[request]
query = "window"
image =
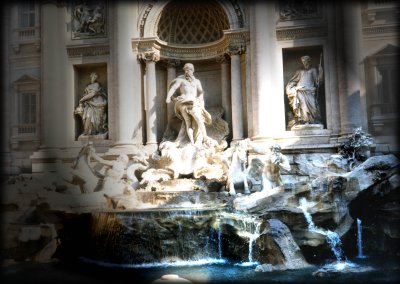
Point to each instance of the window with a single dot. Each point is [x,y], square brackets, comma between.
[382,72]
[388,76]
[27,113]
[27,14]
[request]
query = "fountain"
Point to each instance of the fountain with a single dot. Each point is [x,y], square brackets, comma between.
[196,202]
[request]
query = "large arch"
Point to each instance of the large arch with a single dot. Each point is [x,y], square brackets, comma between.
[234,37]
[151,12]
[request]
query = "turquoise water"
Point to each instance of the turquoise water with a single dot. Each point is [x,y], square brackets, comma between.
[222,272]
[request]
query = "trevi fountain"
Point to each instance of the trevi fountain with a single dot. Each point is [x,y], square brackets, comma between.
[200,209]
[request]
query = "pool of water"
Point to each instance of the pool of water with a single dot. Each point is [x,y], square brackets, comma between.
[220,272]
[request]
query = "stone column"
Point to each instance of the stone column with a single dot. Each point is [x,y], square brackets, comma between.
[226,90]
[171,74]
[350,62]
[55,116]
[150,58]
[236,92]
[267,81]
[128,90]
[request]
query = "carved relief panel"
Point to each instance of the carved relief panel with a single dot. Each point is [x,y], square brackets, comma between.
[290,10]
[88,19]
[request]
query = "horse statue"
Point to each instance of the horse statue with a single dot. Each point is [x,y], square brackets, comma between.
[236,164]
[83,173]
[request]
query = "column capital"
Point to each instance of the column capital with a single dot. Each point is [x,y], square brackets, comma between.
[172,63]
[146,49]
[236,49]
[150,55]
[223,59]
[237,41]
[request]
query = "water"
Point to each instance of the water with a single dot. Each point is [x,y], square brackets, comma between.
[219,241]
[359,240]
[248,228]
[332,238]
[168,236]
[386,271]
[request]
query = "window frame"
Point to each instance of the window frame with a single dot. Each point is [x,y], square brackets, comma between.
[22,131]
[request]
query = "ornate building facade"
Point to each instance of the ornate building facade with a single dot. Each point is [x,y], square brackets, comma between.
[244,53]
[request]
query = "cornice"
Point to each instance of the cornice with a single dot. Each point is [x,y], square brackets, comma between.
[381,29]
[88,50]
[300,33]
[232,40]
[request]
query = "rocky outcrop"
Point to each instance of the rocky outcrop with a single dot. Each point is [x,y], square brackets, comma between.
[278,249]
[380,183]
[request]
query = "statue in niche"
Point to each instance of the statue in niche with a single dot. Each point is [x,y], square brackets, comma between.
[189,107]
[92,109]
[88,20]
[302,92]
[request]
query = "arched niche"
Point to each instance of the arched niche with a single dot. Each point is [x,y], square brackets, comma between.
[149,40]
[157,46]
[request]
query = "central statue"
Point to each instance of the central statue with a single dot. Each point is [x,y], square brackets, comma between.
[189,107]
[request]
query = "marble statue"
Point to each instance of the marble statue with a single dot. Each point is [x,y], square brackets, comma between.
[236,160]
[254,174]
[274,162]
[82,172]
[187,93]
[272,184]
[114,170]
[92,109]
[302,92]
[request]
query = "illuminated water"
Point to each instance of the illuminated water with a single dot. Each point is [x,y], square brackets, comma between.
[359,240]
[387,271]
[332,238]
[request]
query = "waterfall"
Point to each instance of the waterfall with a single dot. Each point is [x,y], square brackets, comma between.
[332,238]
[219,241]
[247,227]
[148,236]
[170,236]
[252,239]
[359,239]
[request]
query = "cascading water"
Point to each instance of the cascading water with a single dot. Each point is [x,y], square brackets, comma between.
[149,238]
[359,240]
[332,238]
[219,241]
[248,227]
[153,236]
